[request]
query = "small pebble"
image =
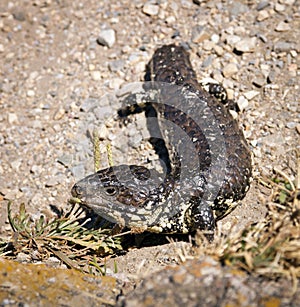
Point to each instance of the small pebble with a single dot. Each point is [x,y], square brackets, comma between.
[208,45]
[115,83]
[262,15]
[95,75]
[287,2]
[231,40]
[199,34]
[92,67]
[78,171]
[242,103]
[175,34]
[271,77]
[259,82]
[107,37]
[52,261]
[282,46]
[170,20]
[279,7]
[293,53]
[254,143]
[22,257]
[19,15]
[246,44]
[30,93]
[150,9]
[37,124]
[238,8]
[229,70]
[262,5]
[36,169]
[291,125]
[116,65]
[219,50]
[262,37]
[12,118]
[215,38]
[59,113]
[251,94]
[33,75]
[207,61]
[257,152]
[89,104]
[53,181]
[282,27]
[65,160]
[15,165]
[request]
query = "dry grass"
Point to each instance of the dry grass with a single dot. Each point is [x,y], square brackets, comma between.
[66,237]
[271,247]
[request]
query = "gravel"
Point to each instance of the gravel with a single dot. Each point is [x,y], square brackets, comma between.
[62,62]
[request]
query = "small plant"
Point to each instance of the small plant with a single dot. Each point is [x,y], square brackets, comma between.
[66,237]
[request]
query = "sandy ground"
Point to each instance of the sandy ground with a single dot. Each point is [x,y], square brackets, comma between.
[55,78]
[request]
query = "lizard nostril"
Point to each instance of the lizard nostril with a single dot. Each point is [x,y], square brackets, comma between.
[76,190]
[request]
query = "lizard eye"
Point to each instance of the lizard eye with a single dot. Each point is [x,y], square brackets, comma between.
[111,191]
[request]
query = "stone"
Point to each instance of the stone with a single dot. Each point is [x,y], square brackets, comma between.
[262,15]
[271,76]
[287,2]
[107,37]
[89,104]
[53,181]
[246,44]
[237,8]
[293,53]
[242,103]
[150,9]
[229,70]
[259,82]
[59,113]
[218,50]
[78,171]
[115,83]
[116,65]
[232,40]
[12,118]
[65,160]
[262,5]
[30,93]
[170,20]
[291,125]
[199,34]
[215,38]
[15,165]
[279,7]
[282,46]
[251,94]
[282,27]
[19,15]
[95,75]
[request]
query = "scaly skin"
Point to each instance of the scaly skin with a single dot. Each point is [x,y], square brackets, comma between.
[210,159]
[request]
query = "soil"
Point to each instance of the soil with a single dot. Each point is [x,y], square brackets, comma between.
[57,82]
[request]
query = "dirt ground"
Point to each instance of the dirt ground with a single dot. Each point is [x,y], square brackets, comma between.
[57,80]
